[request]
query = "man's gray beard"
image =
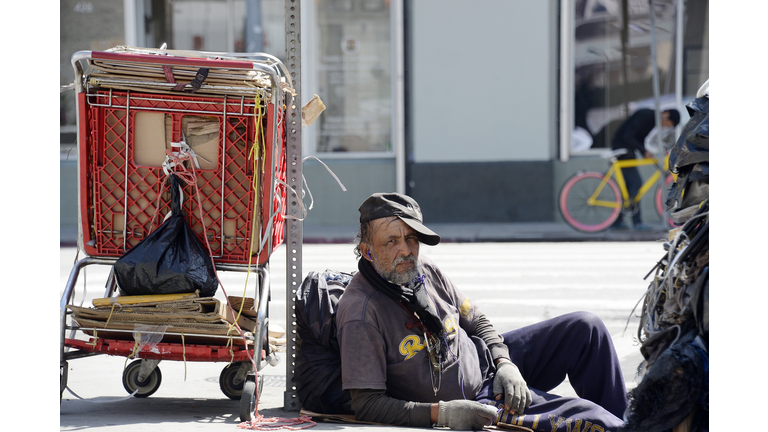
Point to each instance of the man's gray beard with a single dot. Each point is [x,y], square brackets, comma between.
[395,277]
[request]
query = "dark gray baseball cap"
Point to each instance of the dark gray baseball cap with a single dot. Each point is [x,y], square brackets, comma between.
[380,205]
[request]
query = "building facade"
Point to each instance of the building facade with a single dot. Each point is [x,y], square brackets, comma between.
[479,109]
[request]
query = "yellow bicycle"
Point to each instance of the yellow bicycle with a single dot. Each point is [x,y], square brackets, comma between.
[592,201]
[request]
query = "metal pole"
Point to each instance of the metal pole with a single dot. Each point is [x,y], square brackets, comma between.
[294,234]
[230,26]
[657,103]
[625,55]
[254,32]
[567,11]
[679,58]
[398,96]
[130,21]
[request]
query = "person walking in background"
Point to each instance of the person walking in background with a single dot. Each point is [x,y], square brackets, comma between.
[631,136]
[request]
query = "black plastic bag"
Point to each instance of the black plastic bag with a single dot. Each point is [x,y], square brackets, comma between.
[170,260]
[318,362]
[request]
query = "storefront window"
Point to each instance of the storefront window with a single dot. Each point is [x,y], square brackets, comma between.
[613,65]
[353,75]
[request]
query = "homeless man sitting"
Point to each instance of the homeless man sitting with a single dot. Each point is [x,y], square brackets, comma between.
[417,352]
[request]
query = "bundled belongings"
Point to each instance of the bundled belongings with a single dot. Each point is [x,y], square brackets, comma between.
[170,260]
[119,74]
[187,315]
[674,388]
[674,332]
[689,159]
[674,324]
[318,361]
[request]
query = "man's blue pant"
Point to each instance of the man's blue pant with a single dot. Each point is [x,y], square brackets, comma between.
[633,182]
[576,345]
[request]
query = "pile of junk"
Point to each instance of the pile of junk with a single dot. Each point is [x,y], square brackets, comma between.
[673,391]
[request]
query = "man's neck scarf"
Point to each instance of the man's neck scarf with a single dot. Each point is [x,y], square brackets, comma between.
[412,295]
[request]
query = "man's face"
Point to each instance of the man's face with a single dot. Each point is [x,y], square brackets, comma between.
[666,121]
[394,250]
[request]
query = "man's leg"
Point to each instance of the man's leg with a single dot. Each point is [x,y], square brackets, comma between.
[549,412]
[634,183]
[577,345]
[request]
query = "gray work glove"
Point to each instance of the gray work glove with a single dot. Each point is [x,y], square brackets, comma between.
[465,414]
[510,384]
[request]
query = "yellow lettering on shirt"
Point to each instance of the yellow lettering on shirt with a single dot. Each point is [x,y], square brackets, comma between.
[576,426]
[555,421]
[466,307]
[410,345]
[450,325]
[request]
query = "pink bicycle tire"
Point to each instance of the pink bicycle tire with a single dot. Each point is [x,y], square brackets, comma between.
[659,201]
[575,209]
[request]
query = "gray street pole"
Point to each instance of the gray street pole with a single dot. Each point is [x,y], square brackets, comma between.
[294,234]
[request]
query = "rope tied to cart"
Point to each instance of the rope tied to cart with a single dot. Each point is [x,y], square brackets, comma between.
[276,423]
[176,164]
[256,154]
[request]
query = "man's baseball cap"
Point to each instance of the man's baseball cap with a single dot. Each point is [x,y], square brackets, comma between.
[380,205]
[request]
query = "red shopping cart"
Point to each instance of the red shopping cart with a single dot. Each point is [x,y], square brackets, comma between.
[220,119]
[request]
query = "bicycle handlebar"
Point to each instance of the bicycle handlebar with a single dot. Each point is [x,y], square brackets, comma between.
[613,154]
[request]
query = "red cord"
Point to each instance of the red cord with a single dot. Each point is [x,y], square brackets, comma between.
[275,423]
[258,422]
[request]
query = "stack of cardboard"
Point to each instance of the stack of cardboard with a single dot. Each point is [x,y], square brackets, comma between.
[118,317]
[156,78]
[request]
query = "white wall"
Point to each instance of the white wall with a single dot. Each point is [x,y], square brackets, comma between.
[483,80]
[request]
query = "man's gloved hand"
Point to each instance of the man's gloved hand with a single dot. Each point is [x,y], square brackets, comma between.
[465,414]
[510,384]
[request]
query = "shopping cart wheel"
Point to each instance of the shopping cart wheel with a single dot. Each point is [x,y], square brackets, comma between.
[143,388]
[248,398]
[232,379]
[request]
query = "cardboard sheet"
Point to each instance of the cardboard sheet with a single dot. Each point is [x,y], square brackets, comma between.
[202,135]
[149,138]
[207,316]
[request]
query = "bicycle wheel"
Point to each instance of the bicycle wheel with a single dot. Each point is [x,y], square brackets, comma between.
[575,208]
[659,200]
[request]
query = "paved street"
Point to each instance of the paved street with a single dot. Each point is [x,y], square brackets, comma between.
[514,283]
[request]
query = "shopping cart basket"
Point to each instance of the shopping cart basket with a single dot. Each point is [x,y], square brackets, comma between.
[136,109]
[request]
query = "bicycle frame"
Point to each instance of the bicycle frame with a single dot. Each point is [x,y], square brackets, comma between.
[615,170]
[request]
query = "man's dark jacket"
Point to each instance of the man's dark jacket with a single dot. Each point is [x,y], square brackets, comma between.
[631,134]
